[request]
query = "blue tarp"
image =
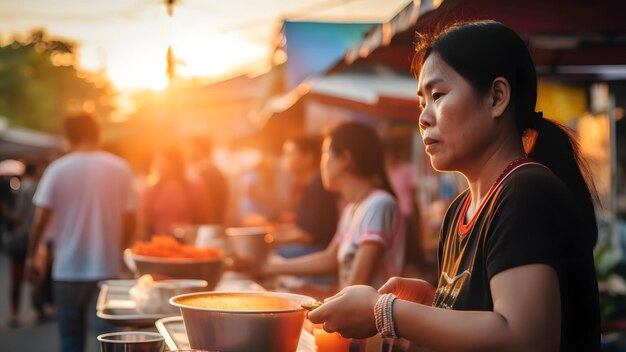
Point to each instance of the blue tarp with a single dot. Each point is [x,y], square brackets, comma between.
[313,47]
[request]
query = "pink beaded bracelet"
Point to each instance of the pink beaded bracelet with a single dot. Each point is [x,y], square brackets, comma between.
[383,315]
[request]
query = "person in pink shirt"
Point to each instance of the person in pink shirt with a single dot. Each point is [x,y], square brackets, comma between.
[170,199]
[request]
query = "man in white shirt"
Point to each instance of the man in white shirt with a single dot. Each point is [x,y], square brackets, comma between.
[87,200]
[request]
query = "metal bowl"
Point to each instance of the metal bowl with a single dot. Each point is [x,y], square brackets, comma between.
[243,321]
[252,243]
[210,270]
[131,341]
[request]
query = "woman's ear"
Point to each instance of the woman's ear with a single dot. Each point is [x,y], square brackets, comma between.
[500,95]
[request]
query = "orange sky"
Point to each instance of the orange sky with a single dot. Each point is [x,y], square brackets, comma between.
[129,38]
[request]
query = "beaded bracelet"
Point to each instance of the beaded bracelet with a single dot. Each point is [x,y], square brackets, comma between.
[383,315]
[378,313]
[390,331]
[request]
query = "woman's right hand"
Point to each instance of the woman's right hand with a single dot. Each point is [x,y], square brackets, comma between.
[413,290]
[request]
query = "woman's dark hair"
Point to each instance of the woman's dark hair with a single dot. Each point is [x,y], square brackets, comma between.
[366,149]
[309,145]
[482,51]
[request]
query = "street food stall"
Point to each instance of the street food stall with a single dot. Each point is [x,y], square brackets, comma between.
[221,309]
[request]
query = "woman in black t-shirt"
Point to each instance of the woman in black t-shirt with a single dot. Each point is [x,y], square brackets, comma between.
[516,265]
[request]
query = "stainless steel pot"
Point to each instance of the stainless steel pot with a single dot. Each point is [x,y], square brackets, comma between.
[251,243]
[131,341]
[243,321]
[210,270]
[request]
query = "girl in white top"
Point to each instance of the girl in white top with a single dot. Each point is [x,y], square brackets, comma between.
[368,247]
[372,222]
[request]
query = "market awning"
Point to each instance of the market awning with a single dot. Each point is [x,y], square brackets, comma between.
[17,142]
[374,90]
[558,32]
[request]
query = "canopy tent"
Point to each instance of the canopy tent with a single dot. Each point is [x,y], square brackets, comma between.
[17,142]
[367,91]
[565,37]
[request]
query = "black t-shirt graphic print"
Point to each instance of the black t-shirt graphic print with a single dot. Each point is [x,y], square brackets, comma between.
[530,218]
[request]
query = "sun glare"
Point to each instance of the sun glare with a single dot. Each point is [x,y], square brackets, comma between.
[143,65]
[213,55]
[145,74]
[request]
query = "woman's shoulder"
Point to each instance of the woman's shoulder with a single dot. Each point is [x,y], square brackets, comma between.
[533,174]
[535,183]
[381,197]
[379,200]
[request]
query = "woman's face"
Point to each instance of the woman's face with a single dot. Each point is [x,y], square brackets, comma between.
[455,122]
[294,161]
[332,166]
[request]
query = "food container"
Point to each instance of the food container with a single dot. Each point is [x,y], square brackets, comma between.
[243,321]
[152,297]
[163,268]
[212,236]
[117,307]
[251,243]
[131,341]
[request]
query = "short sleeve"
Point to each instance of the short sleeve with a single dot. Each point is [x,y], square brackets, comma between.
[530,222]
[379,222]
[44,195]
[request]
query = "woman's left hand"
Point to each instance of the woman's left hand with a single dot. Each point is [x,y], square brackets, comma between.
[349,312]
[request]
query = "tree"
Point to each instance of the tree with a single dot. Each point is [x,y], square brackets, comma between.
[40,85]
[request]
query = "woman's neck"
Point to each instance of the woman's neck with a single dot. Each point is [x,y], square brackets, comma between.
[356,189]
[486,174]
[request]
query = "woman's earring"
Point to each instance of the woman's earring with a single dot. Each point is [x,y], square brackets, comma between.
[529,137]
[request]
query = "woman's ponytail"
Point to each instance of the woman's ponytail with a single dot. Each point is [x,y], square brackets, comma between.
[556,147]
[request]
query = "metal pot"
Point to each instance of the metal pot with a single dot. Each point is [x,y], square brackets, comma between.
[210,270]
[251,243]
[131,341]
[243,321]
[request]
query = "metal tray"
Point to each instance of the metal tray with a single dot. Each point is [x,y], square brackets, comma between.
[115,305]
[173,330]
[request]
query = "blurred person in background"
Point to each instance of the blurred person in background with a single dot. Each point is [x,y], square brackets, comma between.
[402,175]
[17,242]
[316,210]
[199,154]
[368,247]
[516,266]
[258,198]
[42,288]
[87,199]
[7,201]
[170,200]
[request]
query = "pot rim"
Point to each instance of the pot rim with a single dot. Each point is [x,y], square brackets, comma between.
[168,260]
[248,231]
[181,283]
[152,336]
[303,298]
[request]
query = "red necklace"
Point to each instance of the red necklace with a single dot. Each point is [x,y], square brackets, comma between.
[464,228]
